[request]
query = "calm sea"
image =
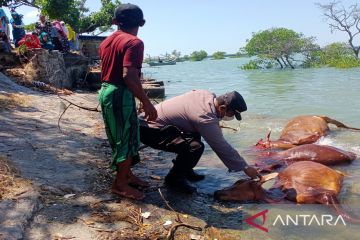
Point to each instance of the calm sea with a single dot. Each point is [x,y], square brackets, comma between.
[273,97]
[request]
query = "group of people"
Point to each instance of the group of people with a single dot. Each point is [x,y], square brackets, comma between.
[55,35]
[175,125]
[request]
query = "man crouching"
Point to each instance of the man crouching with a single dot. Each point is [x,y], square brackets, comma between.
[181,123]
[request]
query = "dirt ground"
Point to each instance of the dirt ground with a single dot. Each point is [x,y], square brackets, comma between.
[54,183]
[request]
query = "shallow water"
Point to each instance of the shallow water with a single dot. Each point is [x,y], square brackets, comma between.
[273,97]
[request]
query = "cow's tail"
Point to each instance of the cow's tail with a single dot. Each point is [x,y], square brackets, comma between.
[337,123]
[334,203]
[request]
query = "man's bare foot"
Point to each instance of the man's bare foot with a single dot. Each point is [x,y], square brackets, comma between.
[127,191]
[137,182]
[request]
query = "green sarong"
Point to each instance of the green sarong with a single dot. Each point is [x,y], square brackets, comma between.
[121,122]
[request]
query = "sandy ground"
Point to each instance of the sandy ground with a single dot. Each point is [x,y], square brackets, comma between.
[66,179]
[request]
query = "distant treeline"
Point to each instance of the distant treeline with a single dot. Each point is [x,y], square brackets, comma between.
[285,48]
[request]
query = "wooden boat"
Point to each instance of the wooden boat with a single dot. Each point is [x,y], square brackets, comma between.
[161,63]
[153,88]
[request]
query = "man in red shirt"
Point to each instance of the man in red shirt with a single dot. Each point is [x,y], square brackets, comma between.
[121,58]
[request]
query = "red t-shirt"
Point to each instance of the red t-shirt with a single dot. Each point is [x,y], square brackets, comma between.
[119,50]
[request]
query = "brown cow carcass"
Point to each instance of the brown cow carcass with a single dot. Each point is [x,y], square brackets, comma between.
[301,182]
[323,154]
[302,130]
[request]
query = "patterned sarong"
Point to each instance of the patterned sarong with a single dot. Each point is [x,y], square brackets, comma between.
[121,122]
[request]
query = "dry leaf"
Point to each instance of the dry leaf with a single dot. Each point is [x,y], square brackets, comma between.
[167,223]
[146,215]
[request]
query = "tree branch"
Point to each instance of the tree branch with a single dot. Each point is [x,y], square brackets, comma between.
[171,233]
[67,107]
[344,20]
[16,4]
[85,108]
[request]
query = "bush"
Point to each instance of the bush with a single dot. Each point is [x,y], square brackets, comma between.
[252,64]
[198,55]
[338,55]
[218,55]
[259,64]
[345,62]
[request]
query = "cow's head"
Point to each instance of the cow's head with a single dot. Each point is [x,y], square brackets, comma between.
[264,144]
[242,190]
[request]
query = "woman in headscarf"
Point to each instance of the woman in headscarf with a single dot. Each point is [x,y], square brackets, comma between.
[59,37]
[45,41]
[18,27]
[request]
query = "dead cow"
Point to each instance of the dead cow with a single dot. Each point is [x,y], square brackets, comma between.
[301,182]
[302,130]
[323,154]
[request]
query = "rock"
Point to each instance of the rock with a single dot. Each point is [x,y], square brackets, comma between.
[9,59]
[55,68]
[16,215]
[48,67]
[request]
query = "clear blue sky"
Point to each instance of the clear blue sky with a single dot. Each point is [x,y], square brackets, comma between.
[210,25]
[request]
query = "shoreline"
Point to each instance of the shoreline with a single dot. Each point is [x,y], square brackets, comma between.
[70,177]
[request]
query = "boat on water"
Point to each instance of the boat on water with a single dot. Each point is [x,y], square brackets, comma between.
[162,62]
[152,87]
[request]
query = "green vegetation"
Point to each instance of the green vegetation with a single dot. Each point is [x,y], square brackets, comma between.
[73,12]
[258,64]
[186,58]
[278,45]
[22,50]
[218,55]
[198,55]
[252,64]
[30,27]
[339,55]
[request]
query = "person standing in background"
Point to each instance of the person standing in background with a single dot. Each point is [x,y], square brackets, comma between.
[43,25]
[18,27]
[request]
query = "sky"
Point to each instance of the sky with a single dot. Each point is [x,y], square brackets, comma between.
[193,25]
